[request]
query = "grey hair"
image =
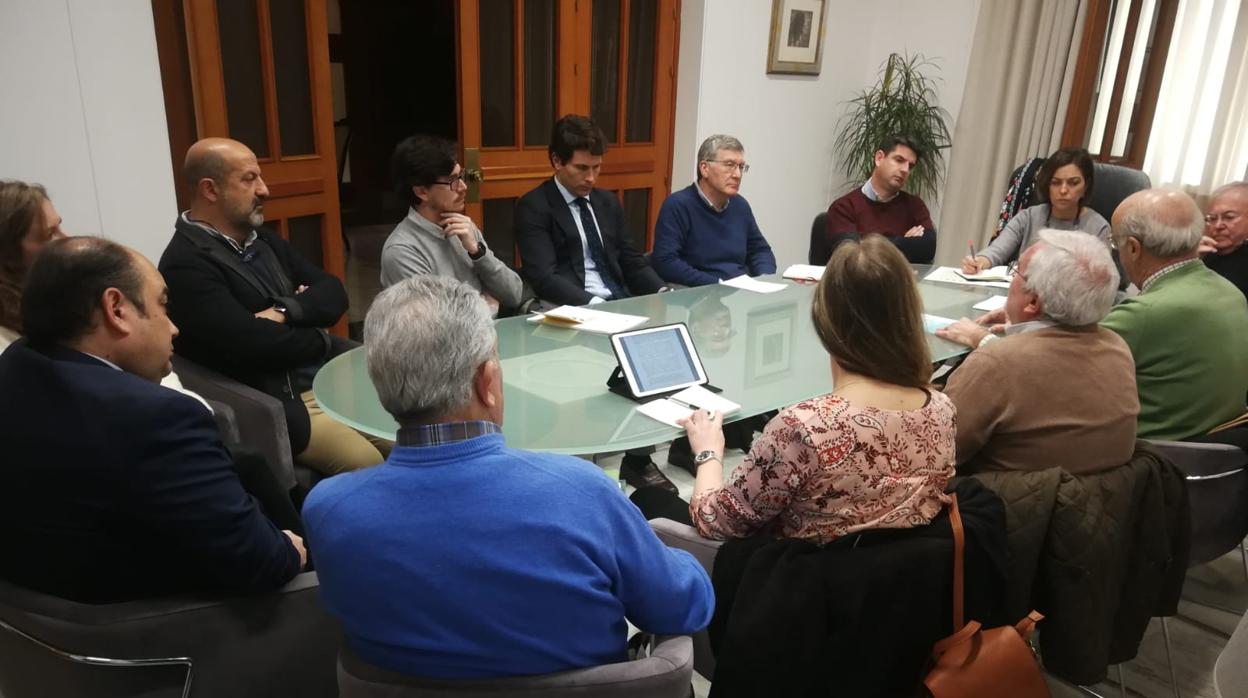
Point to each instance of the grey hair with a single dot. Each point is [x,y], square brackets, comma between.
[424,338]
[1074,275]
[711,147]
[1166,228]
[1241,187]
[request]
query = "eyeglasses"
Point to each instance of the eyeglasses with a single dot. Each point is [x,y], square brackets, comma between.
[453,180]
[1227,217]
[732,165]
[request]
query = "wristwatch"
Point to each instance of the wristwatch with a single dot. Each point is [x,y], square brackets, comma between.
[705,456]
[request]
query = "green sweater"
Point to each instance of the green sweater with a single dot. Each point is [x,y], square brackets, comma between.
[1188,334]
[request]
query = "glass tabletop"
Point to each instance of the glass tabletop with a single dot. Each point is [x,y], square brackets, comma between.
[761,349]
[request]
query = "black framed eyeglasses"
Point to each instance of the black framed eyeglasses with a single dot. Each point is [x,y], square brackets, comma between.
[453,180]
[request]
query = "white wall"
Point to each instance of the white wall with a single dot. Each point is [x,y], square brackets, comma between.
[84,115]
[788,122]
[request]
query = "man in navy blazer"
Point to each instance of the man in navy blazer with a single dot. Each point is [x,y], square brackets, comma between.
[573,246]
[113,487]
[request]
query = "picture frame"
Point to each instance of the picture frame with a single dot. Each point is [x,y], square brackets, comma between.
[796,46]
[769,343]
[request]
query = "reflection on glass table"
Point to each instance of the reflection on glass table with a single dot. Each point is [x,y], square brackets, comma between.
[761,349]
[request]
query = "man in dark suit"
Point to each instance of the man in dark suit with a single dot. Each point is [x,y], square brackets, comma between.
[573,245]
[252,307]
[113,487]
[573,248]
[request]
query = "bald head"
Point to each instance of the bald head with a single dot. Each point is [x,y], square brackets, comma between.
[228,192]
[1166,222]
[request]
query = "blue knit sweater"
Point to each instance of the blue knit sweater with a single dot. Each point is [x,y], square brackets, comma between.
[695,245]
[472,559]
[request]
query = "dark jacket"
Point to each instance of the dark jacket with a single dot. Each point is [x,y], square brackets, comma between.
[115,488]
[1098,554]
[552,259]
[857,617]
[214,296]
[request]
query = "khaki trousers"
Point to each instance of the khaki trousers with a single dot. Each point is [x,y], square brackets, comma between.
[335,447]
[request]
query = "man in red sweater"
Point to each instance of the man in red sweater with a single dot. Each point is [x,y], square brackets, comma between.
[880,206]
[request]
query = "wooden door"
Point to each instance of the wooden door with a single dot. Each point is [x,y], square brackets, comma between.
[524,63]
[259,73]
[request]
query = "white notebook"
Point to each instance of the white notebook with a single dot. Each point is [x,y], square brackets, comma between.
[746,283]
[679,406]
[587,320]
[804,272]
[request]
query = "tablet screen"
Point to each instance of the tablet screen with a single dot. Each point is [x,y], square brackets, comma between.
[659,359]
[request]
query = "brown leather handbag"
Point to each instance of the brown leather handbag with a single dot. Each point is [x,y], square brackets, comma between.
[975,663]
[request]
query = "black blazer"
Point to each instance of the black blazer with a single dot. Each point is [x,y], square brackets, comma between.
[552,259]
[213,299]
[114,488]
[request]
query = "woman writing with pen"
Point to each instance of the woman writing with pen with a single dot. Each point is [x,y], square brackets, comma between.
[1065,186]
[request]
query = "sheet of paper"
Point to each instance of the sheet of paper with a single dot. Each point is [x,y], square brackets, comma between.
[949,275]
[665,411]
[804,272]
[1001,273]
[746,283]
[990,304]
[697,396]
[587,320]
[931,323]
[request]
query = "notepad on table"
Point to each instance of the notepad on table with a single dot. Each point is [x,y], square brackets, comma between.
[746,283]
[990,304]
[951,275]
[679,406]
[1001,273]
[804,272]
[931,323]
[587,320]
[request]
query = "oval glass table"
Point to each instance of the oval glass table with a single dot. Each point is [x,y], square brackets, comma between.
[761,349]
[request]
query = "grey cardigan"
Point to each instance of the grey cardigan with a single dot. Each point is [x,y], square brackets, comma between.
[418,246]
[1020,232]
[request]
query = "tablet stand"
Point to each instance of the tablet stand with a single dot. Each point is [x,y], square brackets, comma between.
[618,384]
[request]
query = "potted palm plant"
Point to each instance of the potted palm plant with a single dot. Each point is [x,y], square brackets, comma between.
[902,102]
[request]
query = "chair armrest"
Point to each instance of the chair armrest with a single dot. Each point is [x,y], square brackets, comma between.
[260,418]
[227,421]
[278,643]
[1201,460]
[687,538]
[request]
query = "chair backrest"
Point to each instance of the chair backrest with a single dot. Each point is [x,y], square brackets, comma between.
[31,668]
[1113,183]
[666,673]
[820,250]
[281,643]
[1217,488]
[1230,672]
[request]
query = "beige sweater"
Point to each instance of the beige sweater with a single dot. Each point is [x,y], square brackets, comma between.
[1058,396]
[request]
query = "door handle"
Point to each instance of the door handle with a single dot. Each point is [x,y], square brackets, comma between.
[472,174]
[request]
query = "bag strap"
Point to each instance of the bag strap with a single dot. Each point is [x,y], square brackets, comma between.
[959,542]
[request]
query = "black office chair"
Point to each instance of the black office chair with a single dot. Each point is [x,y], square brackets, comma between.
[820,250]
[1113,183]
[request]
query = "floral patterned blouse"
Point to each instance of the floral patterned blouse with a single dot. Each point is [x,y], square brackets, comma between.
[824,468]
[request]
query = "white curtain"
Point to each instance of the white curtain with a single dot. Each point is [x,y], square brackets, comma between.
[1199,139]
[1018,86]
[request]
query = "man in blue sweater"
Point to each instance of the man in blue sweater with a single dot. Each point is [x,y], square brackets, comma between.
[462,558]
[706,232]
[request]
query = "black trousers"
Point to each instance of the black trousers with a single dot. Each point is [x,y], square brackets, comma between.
[260,482]
[658,503]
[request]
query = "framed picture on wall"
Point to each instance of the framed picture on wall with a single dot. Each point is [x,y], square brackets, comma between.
[796,37]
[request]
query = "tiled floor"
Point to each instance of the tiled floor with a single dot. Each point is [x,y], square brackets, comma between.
[1198,633]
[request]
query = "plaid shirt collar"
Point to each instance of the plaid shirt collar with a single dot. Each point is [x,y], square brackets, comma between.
[240,249]
[447,433]
[1152,279]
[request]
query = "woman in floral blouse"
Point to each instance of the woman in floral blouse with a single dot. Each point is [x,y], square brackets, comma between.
[876,452]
